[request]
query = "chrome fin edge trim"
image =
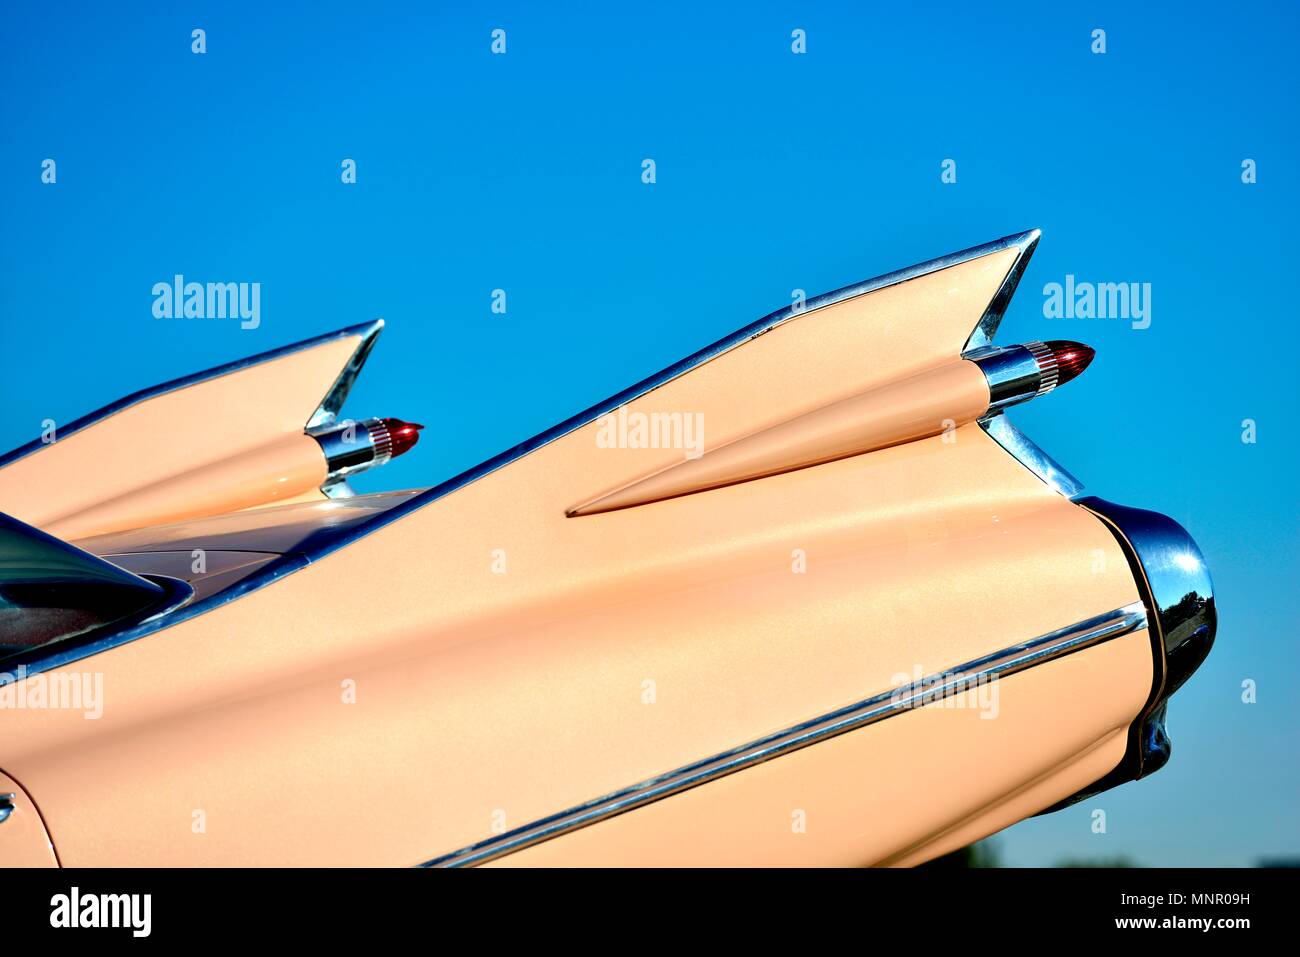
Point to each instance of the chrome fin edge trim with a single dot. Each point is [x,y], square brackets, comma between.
[1025,451]
[328,411]
[887,704]
[987,327]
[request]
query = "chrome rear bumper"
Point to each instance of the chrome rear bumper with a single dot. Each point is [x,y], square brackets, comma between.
[1175,585]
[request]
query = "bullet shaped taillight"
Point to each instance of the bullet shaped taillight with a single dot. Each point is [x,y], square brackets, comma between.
[1071,358]
[404,435]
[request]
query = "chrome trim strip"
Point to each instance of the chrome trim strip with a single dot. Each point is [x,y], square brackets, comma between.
[338,488]
[992,318]
[887,704]
[272,571]
[1023,449]
[1048,371]
[329,406]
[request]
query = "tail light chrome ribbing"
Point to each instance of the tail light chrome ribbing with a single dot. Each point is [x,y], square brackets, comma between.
[1047,368]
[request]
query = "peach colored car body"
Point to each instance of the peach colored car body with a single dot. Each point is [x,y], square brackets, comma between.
[545,660]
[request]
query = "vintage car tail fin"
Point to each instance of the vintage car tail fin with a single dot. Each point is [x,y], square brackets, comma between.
[883,351]
[68,481]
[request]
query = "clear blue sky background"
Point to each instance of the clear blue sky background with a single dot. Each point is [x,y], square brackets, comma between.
[775,171]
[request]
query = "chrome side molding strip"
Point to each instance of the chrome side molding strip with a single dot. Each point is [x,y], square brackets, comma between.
[887,704]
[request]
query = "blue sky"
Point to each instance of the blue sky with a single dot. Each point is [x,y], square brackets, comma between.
[774,171]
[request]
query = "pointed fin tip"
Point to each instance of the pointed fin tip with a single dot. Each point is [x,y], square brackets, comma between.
[987,327]
[332,402]
[1029,237]
[364,329]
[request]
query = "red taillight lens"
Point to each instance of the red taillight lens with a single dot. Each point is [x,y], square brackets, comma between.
[1071,358]
[403,434]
